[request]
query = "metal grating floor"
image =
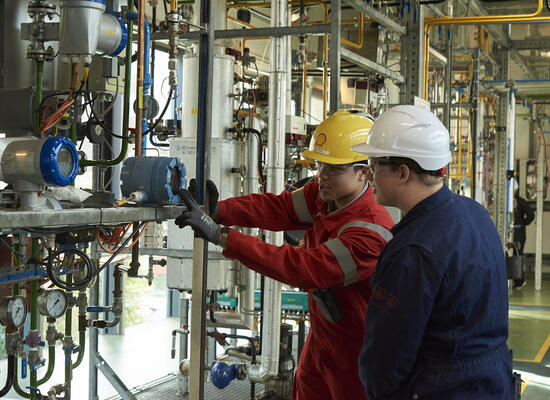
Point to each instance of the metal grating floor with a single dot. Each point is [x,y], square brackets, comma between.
[167,389]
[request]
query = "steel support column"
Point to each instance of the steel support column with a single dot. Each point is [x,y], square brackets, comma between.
[412,45]
[474,100]
[499,168]
[335,35]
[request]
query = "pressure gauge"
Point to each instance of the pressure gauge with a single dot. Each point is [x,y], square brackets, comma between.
[13,311]
[52,303]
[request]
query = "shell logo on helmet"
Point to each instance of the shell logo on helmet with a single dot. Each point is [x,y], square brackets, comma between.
[332,140]
[321,139]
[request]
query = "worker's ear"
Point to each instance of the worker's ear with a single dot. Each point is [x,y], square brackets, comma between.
[404,173]
[364,173]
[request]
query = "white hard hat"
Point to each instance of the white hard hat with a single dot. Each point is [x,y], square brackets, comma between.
[409,132]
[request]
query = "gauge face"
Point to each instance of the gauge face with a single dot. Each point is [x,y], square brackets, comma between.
[52,303]
[56,303]
[65,161]
[18,311]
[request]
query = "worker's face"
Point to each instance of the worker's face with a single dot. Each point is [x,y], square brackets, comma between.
[341,183]
[385,180]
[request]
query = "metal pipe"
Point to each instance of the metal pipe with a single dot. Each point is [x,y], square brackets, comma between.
[34,326]
[431,22]
[139,82]
[359,44]
[51,365]
[269,366]
[39,74]
[200,247]
[9,378]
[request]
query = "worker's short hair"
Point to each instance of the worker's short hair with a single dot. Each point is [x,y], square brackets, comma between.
[428,178]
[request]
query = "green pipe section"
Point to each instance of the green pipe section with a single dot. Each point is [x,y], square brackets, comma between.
[74,137]
[68,329]
[51,365]
[39,72]
[34,326]
[126,111]
[16,386]
[82,344]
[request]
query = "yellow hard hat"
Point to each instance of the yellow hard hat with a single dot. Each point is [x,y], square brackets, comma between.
[332,140]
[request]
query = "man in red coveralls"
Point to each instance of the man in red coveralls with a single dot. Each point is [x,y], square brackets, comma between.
[345,231]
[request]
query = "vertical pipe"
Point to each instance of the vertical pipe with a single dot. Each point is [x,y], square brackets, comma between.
[325,69]
[183,381]
[448,79]
[140,72]
[147,82]
[275,180]
[541,166]
[475,122]
[68,350]
[200,247]
[39,73]
[304,79]
[93,335]
[335,34]
[34,327]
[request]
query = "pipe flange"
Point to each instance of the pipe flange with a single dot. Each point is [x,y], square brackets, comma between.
[39,9]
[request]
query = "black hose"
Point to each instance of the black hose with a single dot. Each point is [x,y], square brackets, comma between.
[9,378]
[153,126]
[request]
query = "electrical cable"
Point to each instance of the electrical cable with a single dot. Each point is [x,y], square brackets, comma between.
[112,103]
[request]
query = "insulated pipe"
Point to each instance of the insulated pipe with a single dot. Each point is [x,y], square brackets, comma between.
[494,19]
[269,366]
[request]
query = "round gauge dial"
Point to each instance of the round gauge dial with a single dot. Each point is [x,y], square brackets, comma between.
[52,303]
[18,312]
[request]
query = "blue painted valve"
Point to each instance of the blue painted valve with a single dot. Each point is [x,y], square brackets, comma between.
[222,374]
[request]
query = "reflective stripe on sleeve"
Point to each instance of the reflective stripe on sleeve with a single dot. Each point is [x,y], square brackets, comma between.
[386,234]
[300,206]
[345,260]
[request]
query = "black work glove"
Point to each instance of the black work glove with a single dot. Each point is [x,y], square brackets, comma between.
[197,219]
[212,194]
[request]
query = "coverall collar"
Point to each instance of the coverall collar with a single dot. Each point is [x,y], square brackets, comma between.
[423,207]
[330,207]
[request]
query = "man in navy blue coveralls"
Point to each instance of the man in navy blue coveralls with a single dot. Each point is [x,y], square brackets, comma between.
[437,322]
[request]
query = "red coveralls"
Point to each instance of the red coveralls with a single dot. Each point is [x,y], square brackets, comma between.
[341,250]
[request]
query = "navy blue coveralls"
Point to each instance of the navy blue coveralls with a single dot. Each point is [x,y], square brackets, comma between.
[437,322]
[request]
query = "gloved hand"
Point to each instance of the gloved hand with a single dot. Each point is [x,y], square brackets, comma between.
[212,194]
[197,219]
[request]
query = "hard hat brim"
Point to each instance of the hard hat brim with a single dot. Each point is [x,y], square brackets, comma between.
[315,156]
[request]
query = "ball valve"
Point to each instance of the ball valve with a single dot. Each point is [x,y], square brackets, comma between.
[85,29]
[222,374]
